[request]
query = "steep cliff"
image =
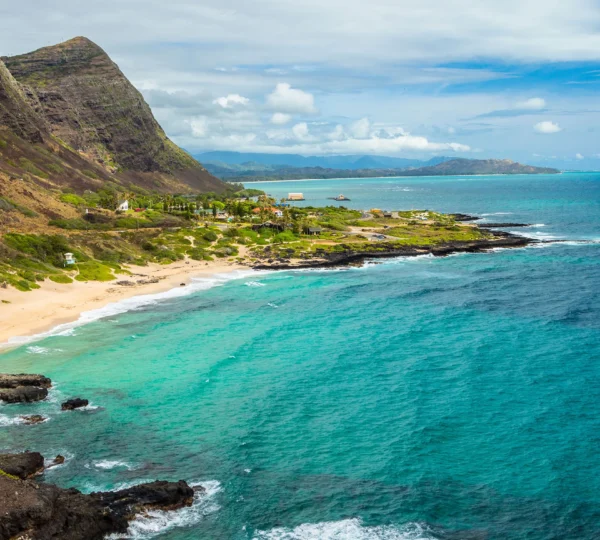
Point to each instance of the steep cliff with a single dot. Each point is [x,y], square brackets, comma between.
[75,93]
[16,113]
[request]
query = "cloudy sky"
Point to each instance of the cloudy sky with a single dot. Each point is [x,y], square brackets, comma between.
[518,79]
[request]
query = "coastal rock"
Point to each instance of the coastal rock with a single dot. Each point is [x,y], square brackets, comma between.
[23,394]
[44,511]
[24,379]
[74,403]
[58,460]
[499,225]
[23,465]
[23,387]
[33,419]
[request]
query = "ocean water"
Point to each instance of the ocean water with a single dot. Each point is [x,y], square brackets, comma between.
[425,398]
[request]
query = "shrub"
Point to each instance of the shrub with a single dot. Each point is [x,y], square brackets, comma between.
[71,198]
[286,236]
[46,248]
[60,278]
[210,236]
[93,271]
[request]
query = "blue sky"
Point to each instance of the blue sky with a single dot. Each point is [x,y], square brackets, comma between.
[518,79]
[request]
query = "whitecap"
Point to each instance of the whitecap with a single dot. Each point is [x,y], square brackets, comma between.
[37,350]
[155,522]
[10,420]
[271,304]
[114,464]
[347,529]
[254,284]
[497,214]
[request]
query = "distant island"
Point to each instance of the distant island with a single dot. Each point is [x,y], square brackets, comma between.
[364,167]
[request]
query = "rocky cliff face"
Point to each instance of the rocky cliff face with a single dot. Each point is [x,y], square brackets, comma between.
[16,112]
[74,92]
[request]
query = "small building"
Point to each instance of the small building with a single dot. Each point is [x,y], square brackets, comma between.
[313,231]
[387,215]
[295,197]
[69,259]
[123,205]
[278,213]
[268,225]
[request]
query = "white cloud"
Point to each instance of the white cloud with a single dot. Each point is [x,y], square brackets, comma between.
[337,134]
[579,156]
[291,100]
[227,102]
[532,104]
[199,127]
[280,119]
[547,127]
[300,131]
[361,128]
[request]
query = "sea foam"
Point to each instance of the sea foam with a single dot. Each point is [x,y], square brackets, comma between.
[155,522]
[347,529]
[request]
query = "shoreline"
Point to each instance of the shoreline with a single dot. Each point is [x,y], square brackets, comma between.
[33,315]
[56,308]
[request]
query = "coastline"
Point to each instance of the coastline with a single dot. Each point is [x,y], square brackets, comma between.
[35,313]
[55,308]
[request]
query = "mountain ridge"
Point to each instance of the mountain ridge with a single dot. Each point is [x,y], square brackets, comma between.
[73,95]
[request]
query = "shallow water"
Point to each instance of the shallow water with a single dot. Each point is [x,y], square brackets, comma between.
[418,398]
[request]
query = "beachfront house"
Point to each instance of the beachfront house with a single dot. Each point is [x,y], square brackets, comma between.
[123,206]
[69,259]
[313,231]
[295,197]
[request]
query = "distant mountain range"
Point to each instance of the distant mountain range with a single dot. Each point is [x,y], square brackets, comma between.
[263,167]
[249,161]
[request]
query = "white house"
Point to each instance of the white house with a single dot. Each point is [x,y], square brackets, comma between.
[123,205]
[69,259]
[278,213]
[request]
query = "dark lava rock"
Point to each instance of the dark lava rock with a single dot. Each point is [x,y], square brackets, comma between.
[22,394]
[58,460]
[23,387]
[45,512]
[74,403]
[500,225]
[464,217]
[33,419]
[24,379]
[23,465]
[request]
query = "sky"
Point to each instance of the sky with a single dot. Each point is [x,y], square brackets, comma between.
[517,79]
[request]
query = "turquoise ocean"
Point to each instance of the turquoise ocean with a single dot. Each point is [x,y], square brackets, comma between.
[424,398]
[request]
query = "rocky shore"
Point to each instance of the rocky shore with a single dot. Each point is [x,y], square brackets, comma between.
[390,250]
[23,388]
[39,511]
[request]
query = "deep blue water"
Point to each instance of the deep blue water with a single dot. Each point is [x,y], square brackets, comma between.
[450,398]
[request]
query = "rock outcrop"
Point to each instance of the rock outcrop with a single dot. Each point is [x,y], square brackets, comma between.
[44,511]
[23,466]
[38,511]
[23,388]
[87,103]
[74,403]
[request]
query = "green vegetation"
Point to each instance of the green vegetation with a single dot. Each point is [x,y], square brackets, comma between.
[93,271]
[167,228]
[60,278]
[71,198]
[30,167]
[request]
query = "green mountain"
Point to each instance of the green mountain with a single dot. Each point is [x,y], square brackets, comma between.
[69,106]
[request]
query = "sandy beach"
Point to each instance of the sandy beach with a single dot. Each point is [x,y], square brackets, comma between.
[30,313]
